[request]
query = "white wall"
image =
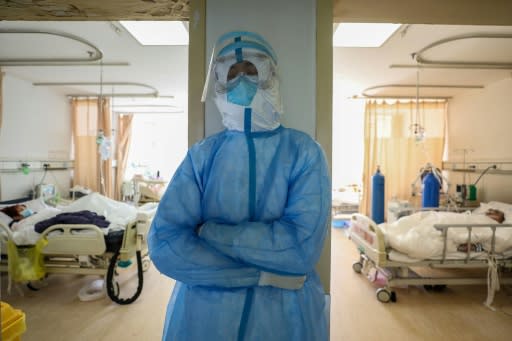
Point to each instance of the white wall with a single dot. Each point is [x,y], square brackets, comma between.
[36,126]
[159,141]
[481,120]
[289,27]
[347,139]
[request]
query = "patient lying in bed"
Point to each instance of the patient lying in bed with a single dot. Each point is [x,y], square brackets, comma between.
[416,236]
[496,215]
[13,214]
[116,216]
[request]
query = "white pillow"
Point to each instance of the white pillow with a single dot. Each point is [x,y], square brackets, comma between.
[503,207]
[507,208]
[5,219]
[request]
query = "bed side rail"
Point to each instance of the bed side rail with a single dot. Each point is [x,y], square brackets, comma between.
[444,228]
[369,238]
[131,240]
[74,240]
[145,216]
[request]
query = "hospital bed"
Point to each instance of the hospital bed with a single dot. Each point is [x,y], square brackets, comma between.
[345,200]
[389,268]
[82,249]
[148,190]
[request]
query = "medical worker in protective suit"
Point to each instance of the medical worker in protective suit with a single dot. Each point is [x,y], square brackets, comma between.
[243,221]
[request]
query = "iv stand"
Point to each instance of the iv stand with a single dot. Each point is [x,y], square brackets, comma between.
[100,116]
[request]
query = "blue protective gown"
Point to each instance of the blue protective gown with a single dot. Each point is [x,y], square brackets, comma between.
[240,204]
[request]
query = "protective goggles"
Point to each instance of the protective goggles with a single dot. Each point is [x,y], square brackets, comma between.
[254,66]
[238,55]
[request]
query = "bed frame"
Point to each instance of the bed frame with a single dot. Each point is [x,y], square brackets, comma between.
[81,249]
[374,254]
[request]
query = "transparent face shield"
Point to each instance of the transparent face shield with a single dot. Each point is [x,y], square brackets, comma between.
[255,67]
[240,56]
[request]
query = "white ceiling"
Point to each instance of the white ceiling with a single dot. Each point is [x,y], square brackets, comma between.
[357,69]
[164,68]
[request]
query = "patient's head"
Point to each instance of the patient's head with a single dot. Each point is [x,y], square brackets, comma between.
[15,211]
[497,215]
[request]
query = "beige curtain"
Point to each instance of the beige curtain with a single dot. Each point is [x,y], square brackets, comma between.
[85,129]
[124,135]
[1,94]
[87,119]
[391,144]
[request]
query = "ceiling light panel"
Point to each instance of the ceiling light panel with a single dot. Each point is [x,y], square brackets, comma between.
[157,32]
[363,34]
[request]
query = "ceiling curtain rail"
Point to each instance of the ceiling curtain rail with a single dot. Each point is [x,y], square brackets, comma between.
[399,97]
[93,56]
[146,106]
[139,109]
[125,112]
[132,96]
[69,64]
[154,92]
[365,93]
[461,64]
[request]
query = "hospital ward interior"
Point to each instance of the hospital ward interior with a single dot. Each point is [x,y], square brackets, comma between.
[96,116]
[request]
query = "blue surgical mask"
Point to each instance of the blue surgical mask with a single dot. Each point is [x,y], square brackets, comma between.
[243,92]
[27,212]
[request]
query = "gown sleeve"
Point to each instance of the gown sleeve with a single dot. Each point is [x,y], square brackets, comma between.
[174,246]
[292,244]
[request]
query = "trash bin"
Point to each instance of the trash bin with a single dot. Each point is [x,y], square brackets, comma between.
[13,322]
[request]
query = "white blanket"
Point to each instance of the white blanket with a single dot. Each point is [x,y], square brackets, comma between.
[416,236]
[119,214]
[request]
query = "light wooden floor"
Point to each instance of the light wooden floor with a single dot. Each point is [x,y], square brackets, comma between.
[55,312]
[457,313]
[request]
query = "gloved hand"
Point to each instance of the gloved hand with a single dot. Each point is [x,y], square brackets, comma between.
[281,281]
